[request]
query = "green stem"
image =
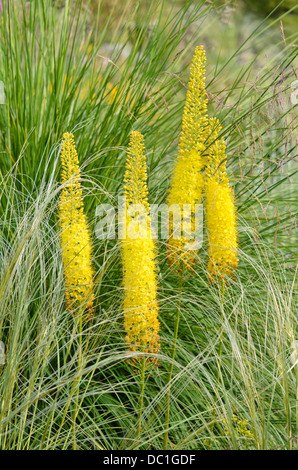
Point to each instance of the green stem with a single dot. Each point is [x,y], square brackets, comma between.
[220,350]
[141,401]
[296,375]
[168,399]
[221,334]
[82,354]
[77,384]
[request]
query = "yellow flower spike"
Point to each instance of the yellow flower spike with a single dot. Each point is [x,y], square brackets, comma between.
[74,234]
[187,182]
[138,256]
[220,210]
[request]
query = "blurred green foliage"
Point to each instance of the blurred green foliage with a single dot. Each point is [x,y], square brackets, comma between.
[290,21]
[266,6]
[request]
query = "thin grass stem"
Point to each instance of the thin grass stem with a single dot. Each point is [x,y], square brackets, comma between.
[168,398]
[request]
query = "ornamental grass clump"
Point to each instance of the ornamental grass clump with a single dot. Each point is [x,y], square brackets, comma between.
[140,304]
[187,182]
[220,210]
[74,234]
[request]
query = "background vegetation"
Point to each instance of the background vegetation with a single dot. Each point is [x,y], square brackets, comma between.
[101,70]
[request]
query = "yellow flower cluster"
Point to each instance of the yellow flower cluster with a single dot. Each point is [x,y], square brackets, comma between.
[75,238]
[187,182]
[240,426]
[200,144]
[138,255]
[135,177]
[220,209]
[200,148]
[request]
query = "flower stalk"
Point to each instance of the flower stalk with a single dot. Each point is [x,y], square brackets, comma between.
[74,234]
[187,181]
[220,210]
[140,304]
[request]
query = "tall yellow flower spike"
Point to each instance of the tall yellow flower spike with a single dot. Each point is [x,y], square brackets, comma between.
[220,210]
[75,238]
[138,255]
[187,182]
